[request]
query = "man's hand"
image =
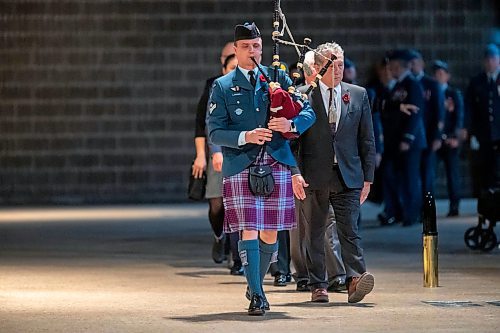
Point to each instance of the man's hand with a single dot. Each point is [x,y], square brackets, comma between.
[404,146]
[258,136]
[364,192]
[217,161]
[279,124]
[408,108]
[298,184]
[436,144]
[199,166]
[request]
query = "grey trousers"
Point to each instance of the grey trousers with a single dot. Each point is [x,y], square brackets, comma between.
[345,203]
[334,265]
[298,246]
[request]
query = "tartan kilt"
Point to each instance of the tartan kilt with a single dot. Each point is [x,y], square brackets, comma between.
[244,211]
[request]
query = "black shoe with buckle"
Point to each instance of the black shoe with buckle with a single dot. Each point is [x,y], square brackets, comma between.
[279,280]
[337,285]
[237,269]
[256,307]
[266,303]
[303,285]
[218,249]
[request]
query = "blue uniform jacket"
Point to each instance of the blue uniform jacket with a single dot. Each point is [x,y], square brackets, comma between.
[398,126]
[235,106]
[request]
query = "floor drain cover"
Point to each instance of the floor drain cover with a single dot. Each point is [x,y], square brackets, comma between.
[451,304]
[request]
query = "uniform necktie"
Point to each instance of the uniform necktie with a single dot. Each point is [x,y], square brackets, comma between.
[252,78]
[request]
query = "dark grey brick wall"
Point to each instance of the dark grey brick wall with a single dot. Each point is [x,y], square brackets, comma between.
[97,97]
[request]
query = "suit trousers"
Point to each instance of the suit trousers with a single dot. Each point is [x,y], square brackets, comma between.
[333,252]
[345,203]
[297,245]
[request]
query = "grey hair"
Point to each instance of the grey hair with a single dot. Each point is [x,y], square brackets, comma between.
[309,62]
[325,50]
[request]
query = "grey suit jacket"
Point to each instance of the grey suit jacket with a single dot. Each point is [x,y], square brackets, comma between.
[354,141]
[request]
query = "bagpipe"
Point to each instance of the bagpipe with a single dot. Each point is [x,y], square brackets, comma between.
[288,103]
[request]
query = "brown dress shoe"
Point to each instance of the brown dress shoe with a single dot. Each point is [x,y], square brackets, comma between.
[359,287]
[319,295]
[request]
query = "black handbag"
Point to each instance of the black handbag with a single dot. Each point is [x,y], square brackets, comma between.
[197,186]
[260,178]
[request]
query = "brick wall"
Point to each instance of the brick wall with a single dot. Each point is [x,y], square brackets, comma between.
[97,97]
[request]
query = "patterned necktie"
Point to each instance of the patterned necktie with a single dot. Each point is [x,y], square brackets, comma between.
[332,117]
[252,78]
[332,111]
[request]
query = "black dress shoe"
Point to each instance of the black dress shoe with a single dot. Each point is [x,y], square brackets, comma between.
[256,307]
[302,285]
[280,280]
[288,278]
[386,220]
[337,285]
[237,269]
[266,303]
[218,250]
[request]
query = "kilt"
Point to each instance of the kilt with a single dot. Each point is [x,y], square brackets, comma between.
[214,182]
[244,211]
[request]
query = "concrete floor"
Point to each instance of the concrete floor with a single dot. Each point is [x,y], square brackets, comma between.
[148,269]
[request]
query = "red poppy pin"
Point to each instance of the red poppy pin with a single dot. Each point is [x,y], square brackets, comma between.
[346,98]
[262,78]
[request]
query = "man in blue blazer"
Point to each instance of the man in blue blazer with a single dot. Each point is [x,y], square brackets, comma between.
[239,123]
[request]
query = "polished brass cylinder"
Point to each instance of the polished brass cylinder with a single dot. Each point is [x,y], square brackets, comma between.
[430,261]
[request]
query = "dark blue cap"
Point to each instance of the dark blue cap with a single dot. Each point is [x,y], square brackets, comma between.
[491,51]
[246,31]
[400,54]
[439,64]
[414,54]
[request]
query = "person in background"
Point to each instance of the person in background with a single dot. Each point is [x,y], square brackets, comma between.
[350,74]
[453,124]
[216,209]
[433,116]
[483,109]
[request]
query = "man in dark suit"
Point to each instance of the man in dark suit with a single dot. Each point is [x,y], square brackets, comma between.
[483,106]
[337,162]
[453,124]
[404,140]
[433,115]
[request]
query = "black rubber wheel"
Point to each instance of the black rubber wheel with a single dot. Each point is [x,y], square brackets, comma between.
[488,240]
[471,238]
